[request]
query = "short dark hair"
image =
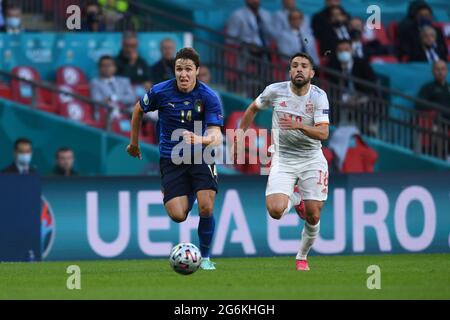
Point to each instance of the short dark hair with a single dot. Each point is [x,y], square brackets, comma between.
[62,149]
[341,41]
[189,53]
[105,57]
[303,55]
[21,140]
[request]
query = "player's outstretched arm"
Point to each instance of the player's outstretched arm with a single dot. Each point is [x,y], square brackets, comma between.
[133,148]
[318,132]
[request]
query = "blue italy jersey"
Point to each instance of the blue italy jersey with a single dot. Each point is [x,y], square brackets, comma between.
[179,110]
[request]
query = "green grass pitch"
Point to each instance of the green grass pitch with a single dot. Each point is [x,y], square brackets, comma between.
[406,276]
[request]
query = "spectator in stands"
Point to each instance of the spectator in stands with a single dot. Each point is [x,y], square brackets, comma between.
[23,153]
[281,18]
[345,62]
[64,158]
[438,90]
[335,30]
[164,69]
[2,10]
[409,36]
[351,96]
[132,66]
[364,42]
[204,75]
[296,39]
[327,23]
[253,26]
[13,20]
[110,88]
[429,50]
[114,12]
[93,18]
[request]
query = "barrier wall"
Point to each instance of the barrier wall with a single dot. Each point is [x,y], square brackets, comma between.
[124,218]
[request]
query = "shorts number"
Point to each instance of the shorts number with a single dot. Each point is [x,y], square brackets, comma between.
[323,178]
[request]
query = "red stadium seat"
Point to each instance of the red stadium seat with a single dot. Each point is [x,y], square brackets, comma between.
[148,132]
[383,59]
[392,31]
[5,91]
[23,92]
[121,125]
[70,76]
[426,120]
[78,111]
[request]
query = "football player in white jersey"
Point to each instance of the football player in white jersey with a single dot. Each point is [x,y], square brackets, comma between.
[299,123]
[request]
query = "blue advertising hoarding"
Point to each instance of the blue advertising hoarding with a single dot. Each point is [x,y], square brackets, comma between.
[124,217]
[20,208]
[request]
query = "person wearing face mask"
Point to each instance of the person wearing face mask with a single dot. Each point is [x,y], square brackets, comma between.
[13,21]
[429,50]
[364,41]
[325,22]
[409,36]
[350,93]
[336,29]
[23,153]
[93,18]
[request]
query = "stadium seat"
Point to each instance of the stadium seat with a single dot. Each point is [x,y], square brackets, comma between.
[360,158]
[5,91]
[383,59]
[148,132]
[70,76]
[23,92]
[392,31]
[426,120]
[78,111]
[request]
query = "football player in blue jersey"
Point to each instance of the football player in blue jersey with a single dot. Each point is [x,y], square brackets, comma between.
[182,102]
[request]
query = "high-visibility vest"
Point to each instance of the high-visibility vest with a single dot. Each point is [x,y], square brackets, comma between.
[119,5]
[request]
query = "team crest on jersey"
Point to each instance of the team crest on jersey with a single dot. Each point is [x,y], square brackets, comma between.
[283,104]
[309,108]
[198,105]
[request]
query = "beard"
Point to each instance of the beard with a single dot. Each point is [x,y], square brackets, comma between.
[300,83]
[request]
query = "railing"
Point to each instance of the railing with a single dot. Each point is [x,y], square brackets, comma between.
[235,67]
[68,96]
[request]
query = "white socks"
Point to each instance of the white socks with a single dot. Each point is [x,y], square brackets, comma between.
[309,234]
[294,200]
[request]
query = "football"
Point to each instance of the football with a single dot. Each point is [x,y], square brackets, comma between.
[185,258]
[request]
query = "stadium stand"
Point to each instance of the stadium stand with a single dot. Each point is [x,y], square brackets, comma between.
[389,118]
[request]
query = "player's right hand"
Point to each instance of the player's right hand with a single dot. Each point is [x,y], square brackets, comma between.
[134,151]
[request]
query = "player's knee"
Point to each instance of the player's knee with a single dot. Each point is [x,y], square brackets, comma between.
[178,216]
[275,210]
[205,210]
[313,216]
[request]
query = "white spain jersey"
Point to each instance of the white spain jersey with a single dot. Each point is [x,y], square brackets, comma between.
[311,109]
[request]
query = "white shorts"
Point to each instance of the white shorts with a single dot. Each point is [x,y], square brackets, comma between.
[310,174]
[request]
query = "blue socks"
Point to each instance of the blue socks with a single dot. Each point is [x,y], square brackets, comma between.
[205,234]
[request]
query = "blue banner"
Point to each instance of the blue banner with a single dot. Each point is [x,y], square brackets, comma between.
[20,208]
[124,217]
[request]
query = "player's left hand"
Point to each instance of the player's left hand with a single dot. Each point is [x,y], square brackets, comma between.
[288,123]
[191,138]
